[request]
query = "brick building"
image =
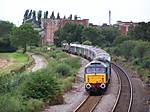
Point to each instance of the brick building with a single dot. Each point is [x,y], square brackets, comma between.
[124,26]
[50,26]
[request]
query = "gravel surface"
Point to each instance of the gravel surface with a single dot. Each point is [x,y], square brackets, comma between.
[40,62]
[107,102]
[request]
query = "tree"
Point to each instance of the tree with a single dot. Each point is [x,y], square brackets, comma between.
[52,16]
[75,17]
[141,50]
[39,17]
[5,28]
[23,36]
[58,16]
[109,34]
[92,35]
[64,17]
[30,14]
[140,31]
[46,15]
[34,15]
[70,17]
[26,15]
[71,32]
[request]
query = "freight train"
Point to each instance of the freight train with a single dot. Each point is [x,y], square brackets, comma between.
[97,73]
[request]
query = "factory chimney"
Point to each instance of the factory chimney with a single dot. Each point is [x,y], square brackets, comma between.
[109,17]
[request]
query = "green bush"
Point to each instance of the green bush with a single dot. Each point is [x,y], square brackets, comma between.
[87,42]
[6,83]
[67,83]
[33,105]
[136,62]
[73,62]
[10,104]
[63,69]
[58,54]
[40,85]
[146,62]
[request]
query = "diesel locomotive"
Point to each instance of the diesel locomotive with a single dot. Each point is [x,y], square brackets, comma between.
[97,73]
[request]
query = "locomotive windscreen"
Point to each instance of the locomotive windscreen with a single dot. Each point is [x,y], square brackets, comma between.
[95,70]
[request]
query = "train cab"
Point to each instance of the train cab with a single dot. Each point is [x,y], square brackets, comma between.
[96,76]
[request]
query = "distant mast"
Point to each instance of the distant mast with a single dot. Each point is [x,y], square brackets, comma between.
[109,17]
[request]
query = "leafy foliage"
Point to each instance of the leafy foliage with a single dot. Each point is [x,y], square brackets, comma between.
[140,31]
[87,42]
[63,69]
[5,28]
[23,36]
[70,32]
[40,85]
[10,104]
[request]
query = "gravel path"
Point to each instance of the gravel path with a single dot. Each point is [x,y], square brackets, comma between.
[40,62]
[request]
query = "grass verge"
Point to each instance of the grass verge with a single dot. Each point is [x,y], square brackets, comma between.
[14,61]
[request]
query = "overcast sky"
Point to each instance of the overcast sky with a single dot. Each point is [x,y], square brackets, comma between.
[94,10]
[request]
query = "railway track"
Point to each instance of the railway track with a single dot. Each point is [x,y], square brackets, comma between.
[89,104]
[124,98]
[125,94]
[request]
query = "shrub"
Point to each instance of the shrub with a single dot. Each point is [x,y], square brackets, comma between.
[146,62]
[136,62]
[58,54]
[33,105]
[10,104]
[40,85]
[67,83]
[63,69]
[73,62]
[87,42]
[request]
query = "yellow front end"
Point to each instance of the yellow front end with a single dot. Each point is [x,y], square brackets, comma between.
[95,78]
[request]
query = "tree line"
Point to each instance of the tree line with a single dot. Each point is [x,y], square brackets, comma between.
[31,14]
[72,32]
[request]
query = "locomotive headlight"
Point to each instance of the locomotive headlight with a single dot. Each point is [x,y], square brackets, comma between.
[103,86]
[88,86]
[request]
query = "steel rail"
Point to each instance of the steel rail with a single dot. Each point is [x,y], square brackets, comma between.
[89,104]
[120,89]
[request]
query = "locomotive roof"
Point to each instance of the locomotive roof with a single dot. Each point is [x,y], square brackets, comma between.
[96,62]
